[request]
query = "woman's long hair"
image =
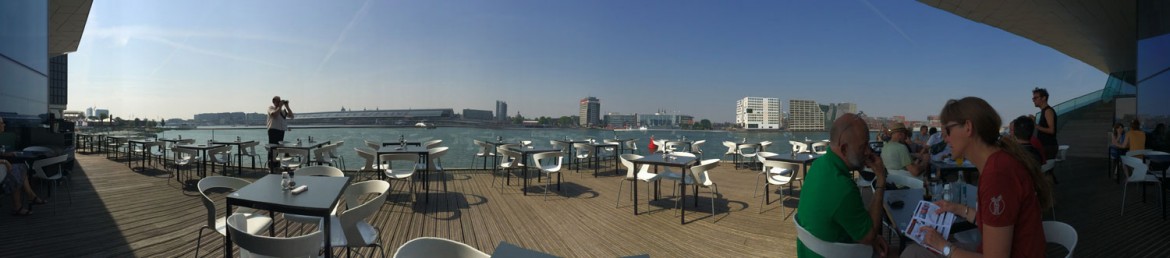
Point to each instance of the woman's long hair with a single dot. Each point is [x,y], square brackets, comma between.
[986,122]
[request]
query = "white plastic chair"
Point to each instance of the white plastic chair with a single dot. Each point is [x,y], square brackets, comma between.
[367,154]
[509,160]
[349,228]
[1062,234]
[700,175]
[697,147]
[401,174]
[748,152]
[485,151]
[297,157]
[374,144]
[661,145]
[761,157]
[221,155]
[184,158]
[642,173]
[778,174]
[632,146]
[255,222]
[249,149]
[1061,152]
[1138,175]
[252,245]
[730,148]
[764,145]
[432,143]
[584,152]
[820,148]
[799,147]
[548,168]
[435,164]
[434,247]
[829,249]
[38,168]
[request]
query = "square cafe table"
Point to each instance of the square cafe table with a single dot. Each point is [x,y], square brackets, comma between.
[572,151]
[597,158]
[524,154]
[672,161]
[266,194]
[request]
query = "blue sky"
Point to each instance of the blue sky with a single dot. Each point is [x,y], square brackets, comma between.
[169,59]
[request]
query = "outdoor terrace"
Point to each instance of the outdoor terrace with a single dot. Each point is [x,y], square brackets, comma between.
[116,211]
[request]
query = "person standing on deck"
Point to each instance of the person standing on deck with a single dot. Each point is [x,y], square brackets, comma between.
[1046,126]
[278,114]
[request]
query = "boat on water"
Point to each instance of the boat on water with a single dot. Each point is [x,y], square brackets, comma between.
[424,125]
[642,128]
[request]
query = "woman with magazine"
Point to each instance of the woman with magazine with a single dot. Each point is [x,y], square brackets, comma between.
[1012,192]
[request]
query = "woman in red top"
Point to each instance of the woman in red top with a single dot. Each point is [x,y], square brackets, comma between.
[1012,191]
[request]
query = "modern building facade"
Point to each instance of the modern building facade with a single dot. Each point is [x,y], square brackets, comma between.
[477,114]
[758,113]
[590,112]
[501,111]
[58,83]
[616,120]
[805,115]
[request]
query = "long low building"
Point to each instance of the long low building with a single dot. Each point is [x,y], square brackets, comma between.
[374,117]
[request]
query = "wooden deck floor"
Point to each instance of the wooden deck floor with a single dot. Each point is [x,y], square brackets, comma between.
[119,212]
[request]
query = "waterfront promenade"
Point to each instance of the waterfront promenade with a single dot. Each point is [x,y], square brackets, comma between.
[118,212]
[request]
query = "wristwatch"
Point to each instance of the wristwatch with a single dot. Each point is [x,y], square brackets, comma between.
[947,250]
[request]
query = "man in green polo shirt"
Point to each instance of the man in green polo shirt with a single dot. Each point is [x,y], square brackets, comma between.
[830,203]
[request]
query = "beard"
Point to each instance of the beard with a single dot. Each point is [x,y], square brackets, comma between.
[856,161]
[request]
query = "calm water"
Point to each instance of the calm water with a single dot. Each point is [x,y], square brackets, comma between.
[462,149]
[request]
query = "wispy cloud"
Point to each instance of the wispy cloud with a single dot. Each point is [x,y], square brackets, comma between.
[888,21]
[361,13]
[209,52]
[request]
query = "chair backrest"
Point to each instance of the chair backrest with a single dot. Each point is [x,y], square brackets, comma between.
[626,161]
[436,156]
[559,145]
[1139,169]
[215,152]
[1135,153]
[265,246]
[632,145]
[583,149]
[1062,234]
[40,149]
[373,144]
[700,172]
[903,179]
[820,147]
[322,153]
[763,155]
[437,247]
[730,147]
[39,165]
[213,182]
[798,147]
[750,148]
[319,171]
[775,167]
[541,158]
[432,143]
[367,154]
[355,213]
[511,158]
[249,148]
[697,146]
[829,249]
[484,147]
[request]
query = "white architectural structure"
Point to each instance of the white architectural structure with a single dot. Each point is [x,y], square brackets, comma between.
[758,113]
[805,115]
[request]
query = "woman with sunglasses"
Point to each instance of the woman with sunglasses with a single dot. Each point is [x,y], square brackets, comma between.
[1012,190]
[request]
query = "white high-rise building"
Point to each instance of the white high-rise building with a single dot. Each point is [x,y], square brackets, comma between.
[846,107]
[758,113]
[805,115]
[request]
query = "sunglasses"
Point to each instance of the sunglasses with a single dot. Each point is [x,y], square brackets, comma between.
[947,128]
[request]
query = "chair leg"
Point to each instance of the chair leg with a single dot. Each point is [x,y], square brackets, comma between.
[199,241]
[617,203]
[765,200]
[1124,190]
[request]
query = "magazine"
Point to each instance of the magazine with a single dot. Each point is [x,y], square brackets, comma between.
[925,216]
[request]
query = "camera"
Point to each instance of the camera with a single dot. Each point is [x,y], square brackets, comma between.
[285,101]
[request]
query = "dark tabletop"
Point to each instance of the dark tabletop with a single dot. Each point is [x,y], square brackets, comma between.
[798,158]
[266,193]
[413,149]
[656,159]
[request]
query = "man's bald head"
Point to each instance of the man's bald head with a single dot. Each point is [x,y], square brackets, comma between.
[850,140]
[846,127]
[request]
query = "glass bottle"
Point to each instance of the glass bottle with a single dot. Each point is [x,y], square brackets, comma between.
[284,180]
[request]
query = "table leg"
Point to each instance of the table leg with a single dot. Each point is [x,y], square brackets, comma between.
[634,184]
[682,218]
[328,233]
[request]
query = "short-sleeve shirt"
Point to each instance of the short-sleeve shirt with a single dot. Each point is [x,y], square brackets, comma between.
[830,205]
[1137,140]
[896,156]
[276,119]
[1007,197]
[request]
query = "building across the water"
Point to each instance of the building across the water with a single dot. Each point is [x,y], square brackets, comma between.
[477,114]
[401,117]
[758,113]
[805,115]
